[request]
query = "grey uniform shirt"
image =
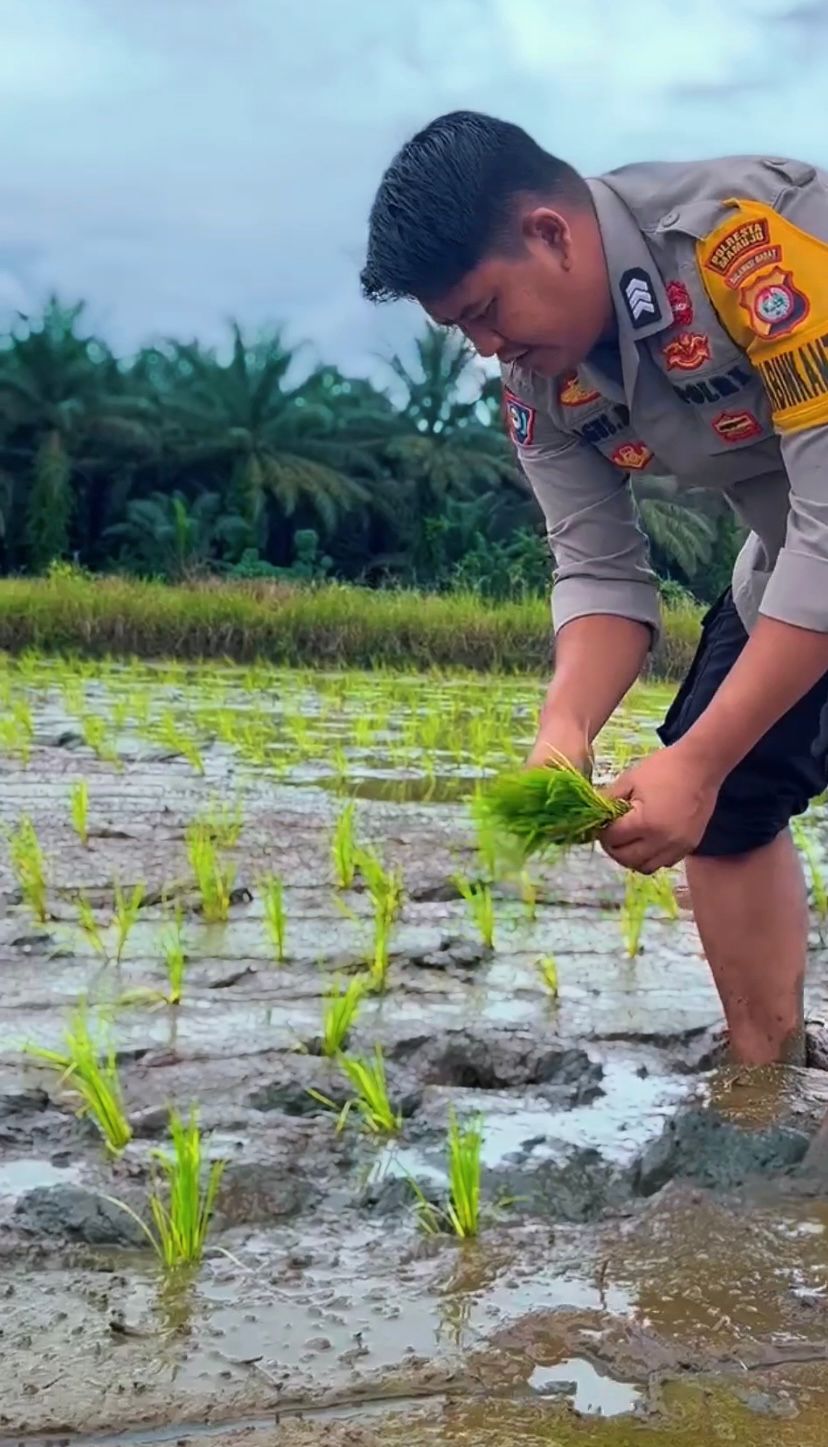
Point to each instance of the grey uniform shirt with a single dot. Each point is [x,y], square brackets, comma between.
[719,275]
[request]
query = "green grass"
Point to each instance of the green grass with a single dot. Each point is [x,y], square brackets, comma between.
[124,916]
[638,894]
[334,625]
[182,1198]
[29,867]
[556,806]
[339,1012]
[91,1077]
[175,958]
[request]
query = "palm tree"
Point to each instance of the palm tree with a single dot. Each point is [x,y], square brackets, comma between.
[681,535]
[68,416]
[445,440]
[276,448]
[165,536]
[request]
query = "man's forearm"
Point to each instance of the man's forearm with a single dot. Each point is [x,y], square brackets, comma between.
[777,667]
[597,659]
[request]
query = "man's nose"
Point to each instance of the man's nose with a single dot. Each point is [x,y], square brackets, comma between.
[486,341]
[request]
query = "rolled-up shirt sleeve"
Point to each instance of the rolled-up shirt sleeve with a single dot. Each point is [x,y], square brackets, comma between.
[601,554]
[797,591]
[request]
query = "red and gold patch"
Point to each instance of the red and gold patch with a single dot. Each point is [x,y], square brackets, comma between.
[573,393]
[632,456]
[775,307]
[748,236]
[687,352]
[681,302]
[736,426]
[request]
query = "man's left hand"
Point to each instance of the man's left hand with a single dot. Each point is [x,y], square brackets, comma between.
[672,796]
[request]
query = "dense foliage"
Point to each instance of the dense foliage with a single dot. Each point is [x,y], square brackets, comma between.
[182,460]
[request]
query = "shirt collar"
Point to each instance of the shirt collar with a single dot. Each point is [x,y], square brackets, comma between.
[641,304]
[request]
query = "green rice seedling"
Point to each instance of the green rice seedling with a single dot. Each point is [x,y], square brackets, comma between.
[371,1101]
[548,970]
[273,897]
[339,1012]
[461,1215]
[94,732]
[486,838]
[91,1077]
[637,896]
[14,739]
[529,895]
[807,846]
[173,737]
[89,925]
[480,902]
[79,810]
[213,876]
[225,822]
[29,867]
[344,847]
[124,915]
[175,959]
[385,887]
[182,1197]
[550,806]
[663,895]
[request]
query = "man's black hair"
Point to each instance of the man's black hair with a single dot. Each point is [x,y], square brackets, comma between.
[447,200]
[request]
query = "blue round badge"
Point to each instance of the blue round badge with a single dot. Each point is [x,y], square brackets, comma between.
[774,303]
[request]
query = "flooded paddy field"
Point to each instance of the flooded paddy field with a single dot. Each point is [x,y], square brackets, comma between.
[652,1262]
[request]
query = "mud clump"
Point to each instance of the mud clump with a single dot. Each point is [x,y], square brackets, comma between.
[499,1061]
[702,1147]
[75,1214]
[253,1191]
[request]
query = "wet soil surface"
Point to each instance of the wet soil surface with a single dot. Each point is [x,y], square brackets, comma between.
[652,1264]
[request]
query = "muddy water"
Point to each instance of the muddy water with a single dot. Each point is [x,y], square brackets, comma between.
[653,1265]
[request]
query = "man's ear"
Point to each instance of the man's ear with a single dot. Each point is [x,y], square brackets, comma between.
[549,228]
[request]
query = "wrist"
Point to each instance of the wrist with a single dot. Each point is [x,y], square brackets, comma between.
[703,758]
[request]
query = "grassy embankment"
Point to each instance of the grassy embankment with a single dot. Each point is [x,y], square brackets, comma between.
[333,625]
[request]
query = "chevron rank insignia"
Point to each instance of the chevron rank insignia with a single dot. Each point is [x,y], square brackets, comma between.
[520,418]
[640,299]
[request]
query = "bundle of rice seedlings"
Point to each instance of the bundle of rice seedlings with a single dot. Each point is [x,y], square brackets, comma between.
[555,805]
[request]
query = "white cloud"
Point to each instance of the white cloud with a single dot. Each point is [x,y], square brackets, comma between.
[177,163]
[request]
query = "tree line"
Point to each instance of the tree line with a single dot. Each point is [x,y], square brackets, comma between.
[183,459]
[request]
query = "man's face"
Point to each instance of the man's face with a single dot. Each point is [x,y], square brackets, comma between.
[547,305]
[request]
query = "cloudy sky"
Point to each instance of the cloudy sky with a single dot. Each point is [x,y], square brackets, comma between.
[177,162]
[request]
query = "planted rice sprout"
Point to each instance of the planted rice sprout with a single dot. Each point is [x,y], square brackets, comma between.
[370,1100]
[275,915]
[94,730]
[79,810]
[213,876]
[529,895]
[548,971]
[480,902]
[29,867]
[339,1012]
[637,896]
[175,959]
[92,1075]
[663,895]
[182,1198]
[344,847]
[90,927]
[461,1214]
[385,886]
[124,916]
[555,805]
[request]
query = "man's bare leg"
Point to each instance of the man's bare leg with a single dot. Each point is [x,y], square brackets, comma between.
[752,914]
